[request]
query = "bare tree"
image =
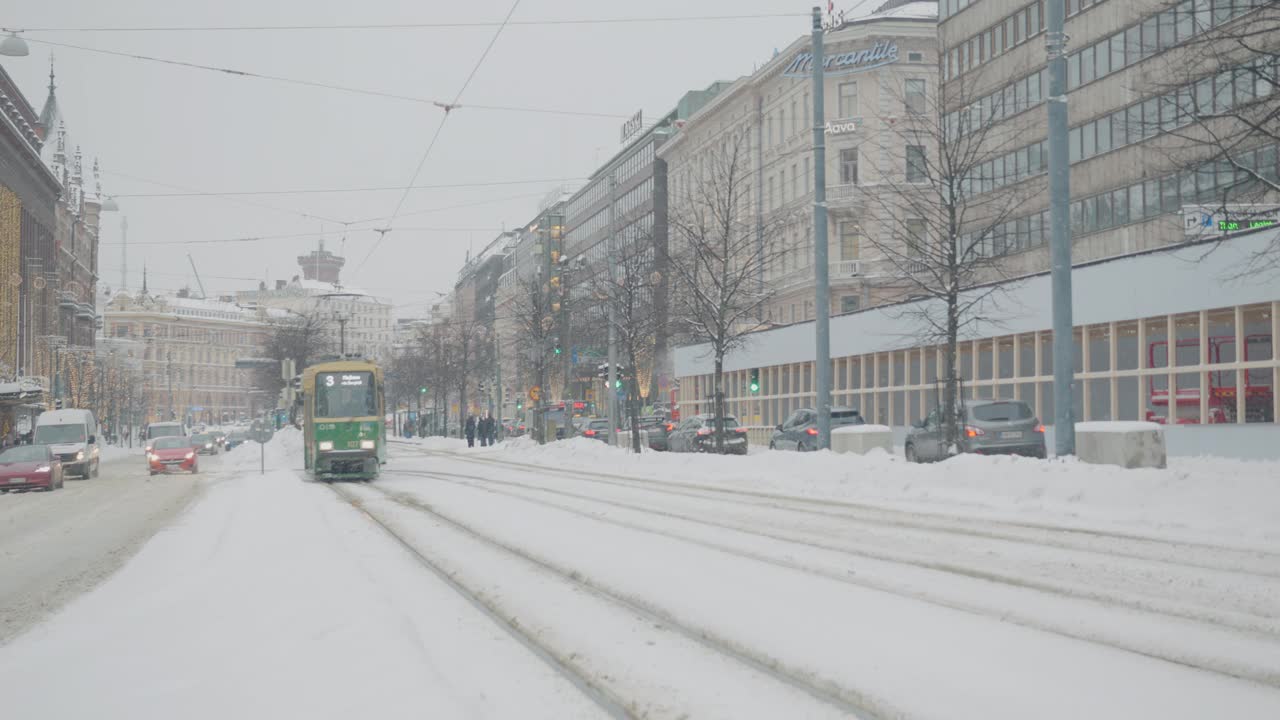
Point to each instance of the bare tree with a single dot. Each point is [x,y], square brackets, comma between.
[535,328]
[1218,112]
[300,337]
[717,260]
[630,284]
[940,220]
[467,356]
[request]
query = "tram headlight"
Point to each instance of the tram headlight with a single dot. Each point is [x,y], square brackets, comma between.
[326,445]
[366,444]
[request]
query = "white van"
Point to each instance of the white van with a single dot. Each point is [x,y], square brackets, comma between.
[73,437]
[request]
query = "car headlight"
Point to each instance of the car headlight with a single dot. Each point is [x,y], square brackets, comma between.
[208,446]
[151,456]
[190,455]
[366,444]
[80,455]
[326,445]
[43,469]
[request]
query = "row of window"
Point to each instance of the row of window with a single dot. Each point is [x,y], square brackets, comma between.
[1214,94]
[1209,183]
[1129,46]
[1013,30]
[599,190]
[916,168]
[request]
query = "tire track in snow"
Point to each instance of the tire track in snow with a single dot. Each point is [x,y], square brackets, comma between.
[842,698]
[1170,551]
[563,666]
[1065,628]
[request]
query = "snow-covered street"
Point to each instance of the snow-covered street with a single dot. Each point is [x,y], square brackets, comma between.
[574,580]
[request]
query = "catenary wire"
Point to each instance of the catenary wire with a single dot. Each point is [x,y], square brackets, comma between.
[317,84]
[423,25]
[436,136]
[311,191]
[195,193]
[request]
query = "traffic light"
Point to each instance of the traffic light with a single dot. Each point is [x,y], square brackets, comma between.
[422,390]
[755,381]
[559,349]
[617,384]
[519,403]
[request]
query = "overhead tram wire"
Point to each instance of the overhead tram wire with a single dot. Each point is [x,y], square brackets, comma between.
[230,197]
[448,108]
[312,191]
[321,85]
[313,234]
[425,25]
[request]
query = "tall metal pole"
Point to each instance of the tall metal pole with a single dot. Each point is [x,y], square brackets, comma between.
[822,325]
[611,392]
[1064,428]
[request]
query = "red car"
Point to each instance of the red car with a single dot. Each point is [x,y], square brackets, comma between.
[30,467]
[172,453]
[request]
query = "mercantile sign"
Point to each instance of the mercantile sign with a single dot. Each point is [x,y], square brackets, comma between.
[882,53]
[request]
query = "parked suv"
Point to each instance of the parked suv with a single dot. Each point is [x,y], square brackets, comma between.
[988,427]
[800,430]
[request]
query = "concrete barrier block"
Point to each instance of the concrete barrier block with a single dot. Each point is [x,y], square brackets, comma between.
[861,439]
[1127,444]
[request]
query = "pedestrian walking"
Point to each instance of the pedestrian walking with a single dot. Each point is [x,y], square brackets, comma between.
[493,430]
[471,430]
[482,429]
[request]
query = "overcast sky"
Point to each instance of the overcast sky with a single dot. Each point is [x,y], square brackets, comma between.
[211,132]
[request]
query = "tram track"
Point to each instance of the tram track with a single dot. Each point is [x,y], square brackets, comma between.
[1171,551]
[1064,626]
[846,701]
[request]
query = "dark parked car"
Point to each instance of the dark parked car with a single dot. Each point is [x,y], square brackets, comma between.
[800,430]
[596,429]
[697,434]
[235,438]
[988,427]
[29,467]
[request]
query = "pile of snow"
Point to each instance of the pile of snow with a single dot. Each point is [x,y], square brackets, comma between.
[860,429]
[1117,426]
[1193,496]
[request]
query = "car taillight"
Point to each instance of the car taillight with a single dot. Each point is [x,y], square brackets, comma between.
[704,431]
[670,427]
[971,431]
[1040,428]
[740,431]
[812,431]
[589,433]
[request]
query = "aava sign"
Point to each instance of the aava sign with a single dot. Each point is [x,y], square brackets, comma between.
[881,54]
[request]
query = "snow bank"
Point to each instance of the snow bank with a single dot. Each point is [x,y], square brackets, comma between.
[1114,426]
[1193,496]
[861,429]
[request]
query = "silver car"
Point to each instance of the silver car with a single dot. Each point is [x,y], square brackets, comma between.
[1008,427]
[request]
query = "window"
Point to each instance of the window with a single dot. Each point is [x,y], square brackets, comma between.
[808,176]
[848,99]
[849,166]
[848,303]
[916,169]
[915,96]
[769,129]
[795,181]
[1086,65]
[1102,58]
[850,240]
[805,105]
[915,57]
[1132,45]
[1033,18]
[1073,71]
[1073,145]
[1088,141]
[915,237]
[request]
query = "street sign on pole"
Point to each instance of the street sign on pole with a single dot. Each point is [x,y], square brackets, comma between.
[261,433]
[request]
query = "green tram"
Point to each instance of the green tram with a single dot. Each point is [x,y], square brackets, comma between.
[344,433]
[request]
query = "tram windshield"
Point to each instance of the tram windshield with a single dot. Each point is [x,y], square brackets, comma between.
[345,394]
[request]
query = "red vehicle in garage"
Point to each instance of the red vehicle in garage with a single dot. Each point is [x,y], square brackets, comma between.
[172,453]
[30,467]
[1222,404]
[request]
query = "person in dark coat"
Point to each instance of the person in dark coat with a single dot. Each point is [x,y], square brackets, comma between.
[471,431]
[493,430]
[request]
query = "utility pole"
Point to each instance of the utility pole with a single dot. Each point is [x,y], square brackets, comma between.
[544,287]
[611,392]
[1064,428]
[168,356]
[822,323]
[342,321]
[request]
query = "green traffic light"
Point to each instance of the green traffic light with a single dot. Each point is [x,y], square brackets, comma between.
[422,390]
[557,351]
[755,387]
